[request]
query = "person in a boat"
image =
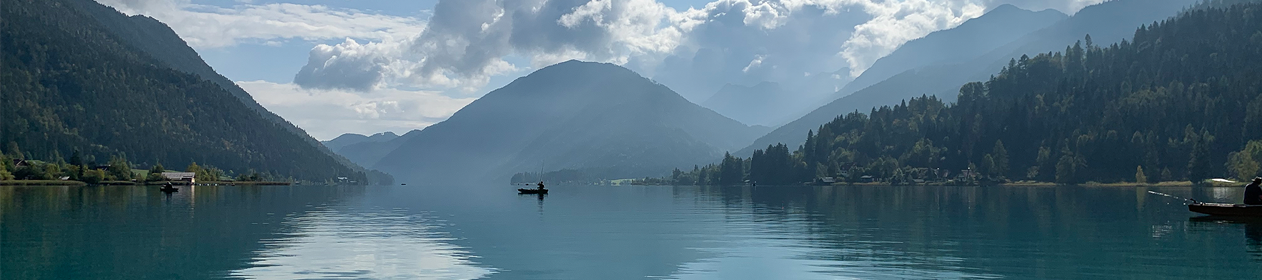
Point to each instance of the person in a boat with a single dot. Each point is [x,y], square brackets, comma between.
[540,185]
[1253,192]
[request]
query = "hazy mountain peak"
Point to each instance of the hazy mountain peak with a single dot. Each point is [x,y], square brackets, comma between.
[575,115]
[969,40]
[350,139]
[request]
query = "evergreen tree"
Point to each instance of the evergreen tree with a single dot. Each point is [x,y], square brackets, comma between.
[1000,158]
[1139,175]
[731,171]
[14,152]
[76,159]
[1198,164]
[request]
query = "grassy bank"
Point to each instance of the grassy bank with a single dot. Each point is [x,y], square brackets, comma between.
[40,183]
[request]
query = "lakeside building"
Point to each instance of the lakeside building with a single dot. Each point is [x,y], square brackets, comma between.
[180,176]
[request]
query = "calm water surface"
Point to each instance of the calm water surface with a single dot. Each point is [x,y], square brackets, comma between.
[627,232]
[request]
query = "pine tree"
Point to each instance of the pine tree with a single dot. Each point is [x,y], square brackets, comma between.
[1139,175]
[1000,157]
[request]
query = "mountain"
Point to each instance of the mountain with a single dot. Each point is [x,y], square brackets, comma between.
[71,83]
[158,41]
[1106,23]
[750,105]
[773,104]
[1178,101]
[349,139]
[969,40]
[572,115]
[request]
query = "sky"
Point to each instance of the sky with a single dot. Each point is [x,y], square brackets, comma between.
[369,66]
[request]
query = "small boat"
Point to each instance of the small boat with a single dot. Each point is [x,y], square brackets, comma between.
[532,191]
[168,187]
[1224,209]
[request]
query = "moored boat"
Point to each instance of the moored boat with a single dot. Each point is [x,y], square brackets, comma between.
[1224,209]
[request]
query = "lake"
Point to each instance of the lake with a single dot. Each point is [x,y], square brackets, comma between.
[619,232]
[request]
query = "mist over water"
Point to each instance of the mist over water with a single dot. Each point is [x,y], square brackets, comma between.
[486,230]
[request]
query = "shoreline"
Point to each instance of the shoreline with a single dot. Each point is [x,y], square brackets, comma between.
[41,183]
[128,183]
[1180,184]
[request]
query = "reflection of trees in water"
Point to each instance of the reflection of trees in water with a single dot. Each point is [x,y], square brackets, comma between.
[1250,226]
[113,232]
[1040,232]
[1253,233]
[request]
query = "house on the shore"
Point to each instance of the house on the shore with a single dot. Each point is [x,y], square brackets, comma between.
[180,176]
[19,163]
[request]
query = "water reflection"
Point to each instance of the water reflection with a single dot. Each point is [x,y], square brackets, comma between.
[1250,226]
[362,244]
[601,232]
[124,232]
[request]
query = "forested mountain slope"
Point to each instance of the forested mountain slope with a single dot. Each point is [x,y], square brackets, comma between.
[1181,100]
[1106,23]
[962,44]
[69,83]
[157,40]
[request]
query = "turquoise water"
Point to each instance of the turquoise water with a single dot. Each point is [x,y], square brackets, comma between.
[620,232]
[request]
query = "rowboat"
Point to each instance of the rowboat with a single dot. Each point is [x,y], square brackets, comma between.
[532,191]
[1224,209]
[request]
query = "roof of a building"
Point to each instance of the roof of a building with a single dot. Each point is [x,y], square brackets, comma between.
[175,175]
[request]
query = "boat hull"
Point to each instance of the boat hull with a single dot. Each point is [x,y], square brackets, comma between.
[532,191]
[1223,209]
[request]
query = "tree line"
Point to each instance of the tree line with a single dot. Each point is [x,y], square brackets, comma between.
[15,165]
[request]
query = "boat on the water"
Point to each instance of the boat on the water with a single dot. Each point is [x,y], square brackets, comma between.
[168,187]
[1225,209]
[532,191]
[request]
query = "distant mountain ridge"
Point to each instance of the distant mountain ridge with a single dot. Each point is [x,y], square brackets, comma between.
[1107,23]
[749,105]
[572,115]
[961,44]
[349,139]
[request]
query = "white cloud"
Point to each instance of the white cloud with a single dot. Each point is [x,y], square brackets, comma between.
[745,40]
[325,114]
[896,22]
[206,26]
[357,83]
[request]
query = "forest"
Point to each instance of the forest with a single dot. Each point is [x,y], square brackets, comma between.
[1179,101]
[71,86]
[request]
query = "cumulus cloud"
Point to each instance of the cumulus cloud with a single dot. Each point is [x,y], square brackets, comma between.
[465,42]
[206,26]
[695,50]
[325,114]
